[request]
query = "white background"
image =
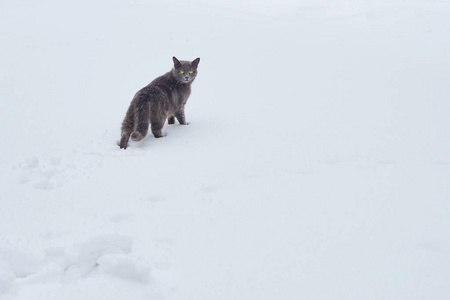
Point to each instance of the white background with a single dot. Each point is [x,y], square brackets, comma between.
[316,164]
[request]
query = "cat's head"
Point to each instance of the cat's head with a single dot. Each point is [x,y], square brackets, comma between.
[185,71]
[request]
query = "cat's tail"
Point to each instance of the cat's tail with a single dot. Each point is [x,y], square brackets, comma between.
[135,123]
[127,128]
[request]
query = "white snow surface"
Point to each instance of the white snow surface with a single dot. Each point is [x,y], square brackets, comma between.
[316,164]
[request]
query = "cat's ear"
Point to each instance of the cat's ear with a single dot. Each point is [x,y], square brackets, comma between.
[176,63]
[195,62]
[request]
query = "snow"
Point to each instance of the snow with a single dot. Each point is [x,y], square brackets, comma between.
[315,166]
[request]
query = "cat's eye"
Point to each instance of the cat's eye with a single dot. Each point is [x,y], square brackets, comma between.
[191,72]
[181,72]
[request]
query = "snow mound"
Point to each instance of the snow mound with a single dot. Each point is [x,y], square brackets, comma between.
[124,266]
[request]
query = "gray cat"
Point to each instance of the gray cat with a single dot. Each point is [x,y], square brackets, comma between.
[164,98]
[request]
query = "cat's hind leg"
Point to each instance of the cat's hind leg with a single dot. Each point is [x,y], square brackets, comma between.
[157,129]
[157,123]
[141,121]
[171,120]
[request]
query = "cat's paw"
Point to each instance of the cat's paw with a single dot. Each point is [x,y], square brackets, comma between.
[161,135]
[136,136]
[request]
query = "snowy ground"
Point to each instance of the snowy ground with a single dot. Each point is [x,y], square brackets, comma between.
[316,164]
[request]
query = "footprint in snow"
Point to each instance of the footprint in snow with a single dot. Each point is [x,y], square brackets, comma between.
[210,188]
[121,218]
[110,255]
[43,174]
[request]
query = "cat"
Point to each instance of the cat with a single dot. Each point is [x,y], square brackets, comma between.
[164,98]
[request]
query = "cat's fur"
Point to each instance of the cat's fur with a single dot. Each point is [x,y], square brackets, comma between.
[164,98]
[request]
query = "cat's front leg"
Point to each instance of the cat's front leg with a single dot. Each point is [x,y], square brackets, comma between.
[171,120]
[181,117]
